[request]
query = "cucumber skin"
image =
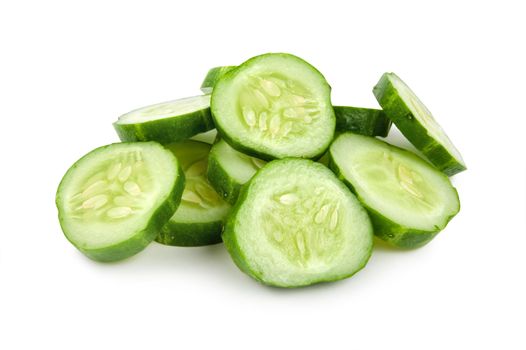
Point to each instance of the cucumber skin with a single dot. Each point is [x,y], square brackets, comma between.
[389,231]
[232,246]
[401,115]
[227,188]
[167,130]
[363,121]
[190,234]
[142,238]
[213,76]
[255,153]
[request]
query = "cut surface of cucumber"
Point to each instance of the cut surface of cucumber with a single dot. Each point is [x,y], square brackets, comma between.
[166,122]
[363,121]
[228,170]
[296,224]
[274,106]
[200,217]
[417,124]
[114,200]
[409,200]
[213,76]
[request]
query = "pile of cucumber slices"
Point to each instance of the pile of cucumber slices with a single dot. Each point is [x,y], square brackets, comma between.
[293,186]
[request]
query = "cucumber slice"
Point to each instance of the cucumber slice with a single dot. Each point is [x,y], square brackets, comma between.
[363,121]
[274,106]
[417,124]
[166,122]
[199,219]
[296,224]
[409,201]
[114,200]
[213,76]
[228,170]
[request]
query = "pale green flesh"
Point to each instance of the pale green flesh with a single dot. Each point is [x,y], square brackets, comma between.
[238,166]
[424,116]
[397,184]
[113,192]
[277,107]
[299,226]
[200,202]
[166,110]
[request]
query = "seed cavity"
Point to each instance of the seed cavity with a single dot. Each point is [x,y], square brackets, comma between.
[270,88]
[404,174]
[411,189]
[288,198]
[95,202]
[274,124]
[334,220]
[260,98]
[94,187]
[125,173]
[119,212]
[205,192]
[287,128]
[196,169]
[278,236]
[132,188]
[249,115]
[322,214]
[114,171]
[263,121]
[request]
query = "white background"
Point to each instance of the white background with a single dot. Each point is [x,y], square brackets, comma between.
[69,68]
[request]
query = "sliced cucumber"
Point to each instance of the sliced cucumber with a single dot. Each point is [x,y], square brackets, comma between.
[274,106]
[114,200]
[409,201]
[296,224]
[166,122]
[199,219]
[363,121]
[415,121]
[213,76]
[228,170]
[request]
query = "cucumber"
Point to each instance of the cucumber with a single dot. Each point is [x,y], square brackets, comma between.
[409,201]
[363,121]
[274,106]
[228,170]
[166,122]
[199,219]
[213,76]
[417,124]
[113,201]
[296,224]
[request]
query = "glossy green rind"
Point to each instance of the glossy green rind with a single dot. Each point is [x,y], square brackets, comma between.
[167,130]
[387,229]
[227,187]
[190,234]
[159,216]
[363,121]
[399,111]
[213,76]
[231,232]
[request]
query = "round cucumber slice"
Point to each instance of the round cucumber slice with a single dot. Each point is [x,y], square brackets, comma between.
[409,201]
[166,122]
[296,224]
[213,76]
[199,219]
[363,121]
[274,106]
[114,200]
[228,170]
[415,121]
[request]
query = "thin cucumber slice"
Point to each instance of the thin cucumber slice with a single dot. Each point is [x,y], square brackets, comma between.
[409,201]
[213,76]
[207,137]
[274,106]
[166,122]
[415,121]
[296,224]
[363,121]
[113,201]
[228,170]
[199,219]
